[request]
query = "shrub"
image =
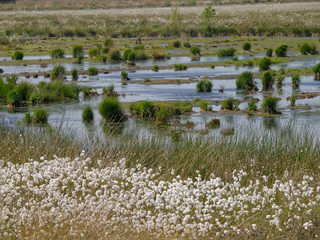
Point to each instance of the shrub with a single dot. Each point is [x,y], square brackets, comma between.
[316,71]
[280,80]
[213,123]
[246,46]
[177,44]
[77,51]
[18,55]
[74,74]
[264,63]
[245,81]
[270,104]
[267,80]
[204,86]
[58,73]
[269,52]
[295,81]
[228,104]
[40,116]
[252,106]
[281,51]
[204,105]
[195,51]
[92,71]
[228,52]
[108,42]
[93,52]
[180,67]
[155,68]
[87,114]
[57,53]
[115,55]
[308,49]
[187,44]
[111,110]
[124,75]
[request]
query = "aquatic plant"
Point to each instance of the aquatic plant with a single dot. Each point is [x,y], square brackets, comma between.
[227,52]
[267,80]
[160,55]
[74,74]
[93,71]
[163,114]
[252,105]
[264,63]
[270,104]
[77,51]
[147,109]
[187,44]
[57,53]
[280,80]
[293,98]
[204,85]
[245,81]
[307,48]
[124,75]
[204,105]
[213,123]
[228,104]
[269,52]
[246,46]
[40,116]
[115,55]
[180,67]
[195,51]
[295,81]
[94,52]
[58,73]
[18,55]
[108,42]
[281,51]
[87,114]
[316,71]
[155,68]
[111,110]
[176,44]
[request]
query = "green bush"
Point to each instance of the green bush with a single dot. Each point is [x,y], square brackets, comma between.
[40,116]
[316,71]
[108,42]
[176,44]
[87,114]
[93,52]
[270,104]
[246,46]
[115,55]
[267,80]
[280,80]
[57,53]
[204,86]
[74,74]
[228,104]
[245,81]
[111,110]
[93,71]
[264,63]
[228,52]
[195,51]
[187,44]
[252,106]
[58,73]
[281,51]
[180,67]
[18,55]
[155,68]
[77,51]
[269,52]
[295,81]
[308,49]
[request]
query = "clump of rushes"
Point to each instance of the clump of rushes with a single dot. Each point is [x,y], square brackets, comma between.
[18,55]
[74,74]
[187,44]
[264,63]
[316,71]
[180,67]
[270,104]
[176,44]
[109,90]
[245,81]
[228,104]
[293,98]
[147,109]
[58,73]
[124,76]
[204,105]
[204,85]
[269,52]
[267,80]
[227,52]
[57,53]
[308,49]
[111,110]
[295,81]
[93,71]
[87,114]
[281,51]
[108,42]
[252,106]
[115,55]
[93,52]
[147,80]
[155,68]
[77,51]
[246,46]
[280,80]
[79,59]
[195,51]
[40,116]
[159,55]
[163,114]
[213,123]
[27,118]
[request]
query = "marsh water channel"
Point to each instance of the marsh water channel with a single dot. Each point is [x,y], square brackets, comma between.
[306,114]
